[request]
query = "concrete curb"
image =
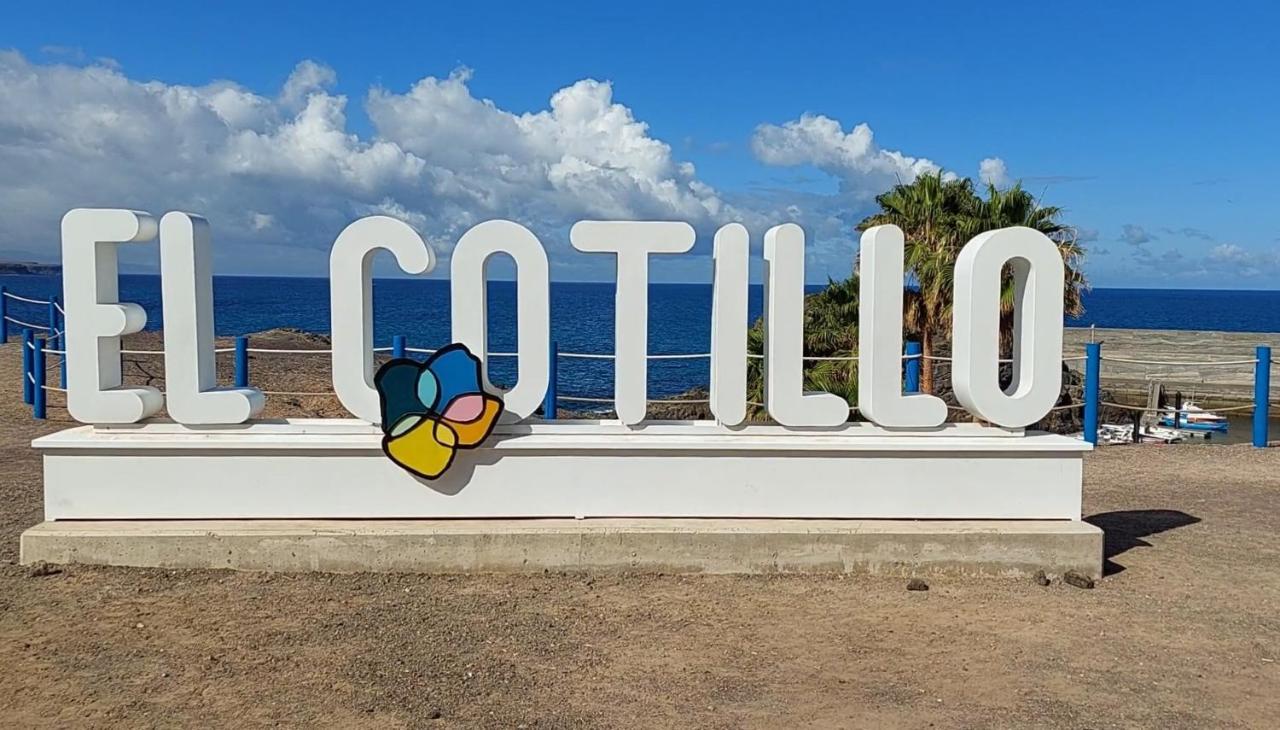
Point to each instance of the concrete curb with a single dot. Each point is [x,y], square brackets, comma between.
[750,546]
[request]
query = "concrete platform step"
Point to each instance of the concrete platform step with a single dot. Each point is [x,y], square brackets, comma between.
[752,546]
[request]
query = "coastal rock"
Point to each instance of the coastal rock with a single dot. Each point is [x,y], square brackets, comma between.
[42,569]
[1078,580]
[1066,421]
[28,268]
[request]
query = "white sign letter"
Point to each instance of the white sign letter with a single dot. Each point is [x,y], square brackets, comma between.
[533,307]
[784,336]
[95,318]
[880,396]
[351,302]
[632,242]
[1038,277]
[729,325]
[190,371]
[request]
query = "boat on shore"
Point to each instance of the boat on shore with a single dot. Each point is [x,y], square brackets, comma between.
[1192,417]
[1119,434]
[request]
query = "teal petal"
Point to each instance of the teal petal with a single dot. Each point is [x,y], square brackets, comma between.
[397,384]
[428,388]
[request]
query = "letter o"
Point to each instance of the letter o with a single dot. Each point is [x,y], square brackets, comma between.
[1038,278]
[533,307]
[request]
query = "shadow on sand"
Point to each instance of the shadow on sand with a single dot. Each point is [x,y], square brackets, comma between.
[1125,529]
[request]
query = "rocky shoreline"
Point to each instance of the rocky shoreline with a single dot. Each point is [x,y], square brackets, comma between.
[28,268]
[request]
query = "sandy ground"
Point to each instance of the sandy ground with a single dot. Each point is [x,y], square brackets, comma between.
[1183,632]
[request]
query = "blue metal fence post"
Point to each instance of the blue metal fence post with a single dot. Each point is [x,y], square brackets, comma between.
[242,361]
[28,341]
[4,315]
[549,405]
[1261,396]
[911,368]
[397,345]
[1092,370]
[37,369]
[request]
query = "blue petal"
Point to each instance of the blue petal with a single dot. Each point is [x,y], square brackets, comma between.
[457,372]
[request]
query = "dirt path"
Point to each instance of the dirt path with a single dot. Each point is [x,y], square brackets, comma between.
[1184,631]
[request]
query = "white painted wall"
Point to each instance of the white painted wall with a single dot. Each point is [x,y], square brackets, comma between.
[311,470]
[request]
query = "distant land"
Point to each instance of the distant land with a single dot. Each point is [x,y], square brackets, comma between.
[28,267]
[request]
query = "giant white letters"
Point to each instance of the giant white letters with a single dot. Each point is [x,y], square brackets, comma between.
[351,302]
[533,307]
[880,398]
[729,325]
[1038,276]
[784,336]
[96,318]
[631,242]
[190,372]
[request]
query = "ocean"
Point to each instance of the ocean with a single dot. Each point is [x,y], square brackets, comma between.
[582,317]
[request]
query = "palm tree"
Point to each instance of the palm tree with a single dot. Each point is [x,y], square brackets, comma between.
[1017,207]
[931,211]
[938,216]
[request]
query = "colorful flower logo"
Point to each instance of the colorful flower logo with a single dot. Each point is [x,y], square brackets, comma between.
[432,409]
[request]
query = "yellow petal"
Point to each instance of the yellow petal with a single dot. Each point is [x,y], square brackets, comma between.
[426,449]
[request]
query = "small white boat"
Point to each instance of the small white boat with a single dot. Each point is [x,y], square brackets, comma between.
[1117,434]
[1160,435]
[1193,418]
[1112,434]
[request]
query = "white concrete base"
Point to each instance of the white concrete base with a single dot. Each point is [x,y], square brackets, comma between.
[604,545]
[319,469]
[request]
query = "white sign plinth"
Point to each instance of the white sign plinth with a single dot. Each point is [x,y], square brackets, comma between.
[311,468]
[441,463]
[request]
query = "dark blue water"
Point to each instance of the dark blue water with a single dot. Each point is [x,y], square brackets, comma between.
[582,317]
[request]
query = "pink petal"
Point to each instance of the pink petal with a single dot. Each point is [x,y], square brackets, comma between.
[465,408]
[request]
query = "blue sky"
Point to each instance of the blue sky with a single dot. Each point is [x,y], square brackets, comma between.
[1151,124]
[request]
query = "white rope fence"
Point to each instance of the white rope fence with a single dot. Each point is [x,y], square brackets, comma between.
[51,334]
[29,300]
[28,325]
[662,356]
[1179,363]
[1170,409]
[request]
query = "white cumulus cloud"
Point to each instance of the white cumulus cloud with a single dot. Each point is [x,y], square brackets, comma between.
[1242,262]
[863,168]
[278,176]
[993,171]
[279,173]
